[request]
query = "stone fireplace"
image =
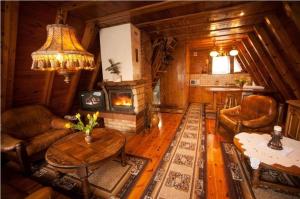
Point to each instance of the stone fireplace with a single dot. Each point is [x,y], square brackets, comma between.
[125,100]
[125,105]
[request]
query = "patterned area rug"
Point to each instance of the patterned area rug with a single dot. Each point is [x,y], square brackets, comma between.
[181,173]
[110,180]
[238,177]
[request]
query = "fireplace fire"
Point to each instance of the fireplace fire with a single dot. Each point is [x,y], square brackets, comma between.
[121,100]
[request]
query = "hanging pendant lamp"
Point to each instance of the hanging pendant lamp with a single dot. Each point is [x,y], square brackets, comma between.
[233,52]
[214,52]
[62,52]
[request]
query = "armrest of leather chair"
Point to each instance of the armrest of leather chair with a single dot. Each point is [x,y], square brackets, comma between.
[58,123]
[9,143]
[258,122]
[231,111]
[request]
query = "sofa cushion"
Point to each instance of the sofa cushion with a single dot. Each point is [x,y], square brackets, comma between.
[43,141]
[26,122]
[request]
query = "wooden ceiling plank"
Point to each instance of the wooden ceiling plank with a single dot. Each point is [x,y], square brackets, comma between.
[277,79]
[88,37]
[292,10]
[9,41]
[251,65]
[259,68]
[218,14]
[277,59]
[46,98]
[274,24]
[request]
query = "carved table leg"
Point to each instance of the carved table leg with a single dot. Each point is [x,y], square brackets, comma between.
[123,156]
[255,177]
[83,174]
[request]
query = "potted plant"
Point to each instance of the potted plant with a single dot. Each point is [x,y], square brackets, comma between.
[114,69]
[86,128]
[240,82]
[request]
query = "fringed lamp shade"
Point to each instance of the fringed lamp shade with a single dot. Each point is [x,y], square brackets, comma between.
[62,52]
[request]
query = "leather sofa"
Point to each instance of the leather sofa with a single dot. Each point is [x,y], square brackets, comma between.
[255,114]
[29,131]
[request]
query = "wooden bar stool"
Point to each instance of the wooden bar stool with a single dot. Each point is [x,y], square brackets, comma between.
[230,101]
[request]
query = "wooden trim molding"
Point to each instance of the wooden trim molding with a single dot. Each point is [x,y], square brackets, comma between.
[9,41]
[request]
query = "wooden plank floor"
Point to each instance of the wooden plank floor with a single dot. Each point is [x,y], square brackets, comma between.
[153,145]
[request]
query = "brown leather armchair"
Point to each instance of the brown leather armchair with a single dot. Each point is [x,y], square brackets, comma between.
[28,131]
[256,113]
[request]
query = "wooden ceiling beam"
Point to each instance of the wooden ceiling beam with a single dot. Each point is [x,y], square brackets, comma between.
[277,59]
[241,64]
[209,26]
[248,67]
[95,72]
[259,67]
[274,24]
[88,37]
[252,64]
[8,54]
[264,58]
[215,33]
[125,16]
[292,10]
[71,6]
[218,14]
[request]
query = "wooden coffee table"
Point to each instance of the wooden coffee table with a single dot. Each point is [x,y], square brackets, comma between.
[73,154]
[249,143]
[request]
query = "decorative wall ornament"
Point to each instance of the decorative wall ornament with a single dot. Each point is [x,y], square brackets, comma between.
[62,52]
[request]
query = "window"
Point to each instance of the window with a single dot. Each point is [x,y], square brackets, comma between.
[221,65]
[237,67]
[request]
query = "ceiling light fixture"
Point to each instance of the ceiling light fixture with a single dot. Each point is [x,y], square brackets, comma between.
[233,51]
[214,52]
[62,52]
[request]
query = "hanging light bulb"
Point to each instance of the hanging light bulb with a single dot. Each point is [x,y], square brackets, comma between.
[233,52]
[214,52]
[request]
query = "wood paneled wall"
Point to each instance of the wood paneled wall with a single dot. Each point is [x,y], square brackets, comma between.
[174,83]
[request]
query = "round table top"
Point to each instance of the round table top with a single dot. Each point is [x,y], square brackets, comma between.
[254,146]
[72,151]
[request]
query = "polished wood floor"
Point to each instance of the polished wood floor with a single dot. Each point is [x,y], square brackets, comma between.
[153,145]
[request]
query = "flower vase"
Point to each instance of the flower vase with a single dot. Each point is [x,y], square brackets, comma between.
[88,139]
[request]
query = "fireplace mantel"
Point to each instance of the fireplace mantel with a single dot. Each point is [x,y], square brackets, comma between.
[122,83]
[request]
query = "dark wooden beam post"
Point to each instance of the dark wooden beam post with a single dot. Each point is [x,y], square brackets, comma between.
[95,72]
[292,10]
[284,40]
[8,55]
[246,60]
[277,80]
[256,64]
[51,74]
[277,59]
[88,37]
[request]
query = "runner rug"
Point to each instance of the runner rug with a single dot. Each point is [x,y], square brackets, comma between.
[110,180]
[238,174]
[181,173]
